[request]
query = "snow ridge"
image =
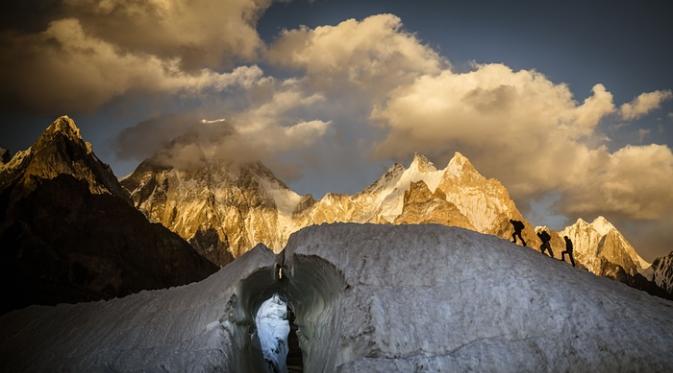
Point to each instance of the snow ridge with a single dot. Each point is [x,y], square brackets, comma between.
[420,296]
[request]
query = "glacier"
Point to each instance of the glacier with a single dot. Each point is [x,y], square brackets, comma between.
[374,298]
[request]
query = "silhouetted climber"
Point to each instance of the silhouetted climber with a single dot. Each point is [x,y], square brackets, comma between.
[518,227]
[545,238]
[569,251]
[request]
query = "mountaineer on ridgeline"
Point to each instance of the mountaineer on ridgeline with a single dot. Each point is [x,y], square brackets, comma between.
[518,227]
[545,246]
[568,250]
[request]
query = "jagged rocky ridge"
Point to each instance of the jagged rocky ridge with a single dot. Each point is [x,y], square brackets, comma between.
[661,272]
[69,232]
[367,298]
[246,204]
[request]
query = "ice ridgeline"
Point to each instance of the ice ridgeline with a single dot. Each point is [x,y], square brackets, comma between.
[367,298]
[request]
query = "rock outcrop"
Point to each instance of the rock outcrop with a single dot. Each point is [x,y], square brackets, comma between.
[422,206]
[661,273]
[69,232]
[367,298]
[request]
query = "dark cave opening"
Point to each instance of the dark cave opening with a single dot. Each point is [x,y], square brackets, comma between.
[295,360]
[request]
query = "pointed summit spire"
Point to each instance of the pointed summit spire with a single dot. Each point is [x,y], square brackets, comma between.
[602,225]
[65,126]
[422,163]
[459,160]
[460,165]
[581,222]
[62,128]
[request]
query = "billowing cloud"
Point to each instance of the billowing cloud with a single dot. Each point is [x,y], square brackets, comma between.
[643,104]
[372,53]
[530,133]
[518,126]
[634,182]
[200,33]
[268,128]
[65,69]
[95,50]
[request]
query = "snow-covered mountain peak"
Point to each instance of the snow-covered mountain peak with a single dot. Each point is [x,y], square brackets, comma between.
[420,169]
[386,180]
[60,151]
[581,222]
[422,163]
[602,225]
[63,125]
[460,166]
[600,241]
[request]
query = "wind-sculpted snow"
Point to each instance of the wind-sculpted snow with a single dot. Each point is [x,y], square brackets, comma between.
[428,298]
[366,298]
[201,327]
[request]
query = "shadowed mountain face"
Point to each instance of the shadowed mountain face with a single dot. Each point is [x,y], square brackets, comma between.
[69,232]
[661,272]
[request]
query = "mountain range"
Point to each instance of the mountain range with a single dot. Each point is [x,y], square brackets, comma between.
[67,220]
[238,205]
[246,204]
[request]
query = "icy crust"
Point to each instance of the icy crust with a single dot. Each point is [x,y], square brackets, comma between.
[201,327]
[431,298]
[366,298]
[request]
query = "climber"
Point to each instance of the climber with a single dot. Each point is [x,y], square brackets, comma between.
[569,251]
[545,238]
[518,227]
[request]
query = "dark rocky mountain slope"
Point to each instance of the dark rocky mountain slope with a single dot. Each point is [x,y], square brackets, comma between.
[69,233]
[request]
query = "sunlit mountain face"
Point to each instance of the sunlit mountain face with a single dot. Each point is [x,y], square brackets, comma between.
[334,159]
